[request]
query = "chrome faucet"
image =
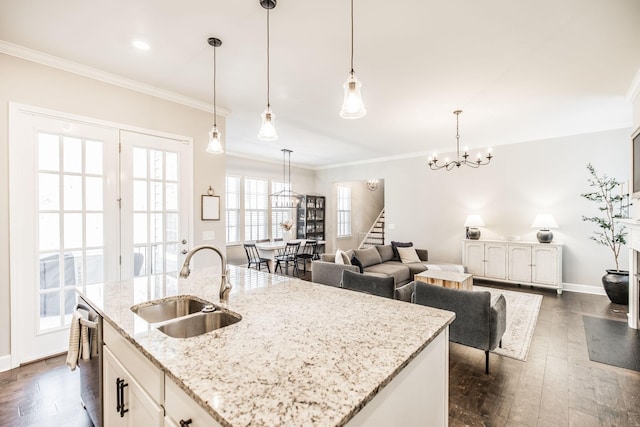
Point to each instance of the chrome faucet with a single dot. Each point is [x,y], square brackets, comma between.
[225,286]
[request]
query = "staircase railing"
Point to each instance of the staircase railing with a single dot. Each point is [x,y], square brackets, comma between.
[375,235]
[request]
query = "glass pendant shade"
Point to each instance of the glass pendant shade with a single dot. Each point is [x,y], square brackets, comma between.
[215,146]
[352,106]
[268,130]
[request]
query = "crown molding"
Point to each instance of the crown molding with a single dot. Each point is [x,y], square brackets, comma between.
[634,89]
[113,79]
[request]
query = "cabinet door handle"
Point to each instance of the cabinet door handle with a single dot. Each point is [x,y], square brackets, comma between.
[184,423]
[121,386]
[118,403]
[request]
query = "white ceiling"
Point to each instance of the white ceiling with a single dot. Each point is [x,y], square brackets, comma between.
[520,71]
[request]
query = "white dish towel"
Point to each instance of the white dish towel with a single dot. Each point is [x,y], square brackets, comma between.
[78,340]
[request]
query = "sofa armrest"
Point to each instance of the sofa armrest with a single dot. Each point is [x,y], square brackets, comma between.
[329,273]
[423,254]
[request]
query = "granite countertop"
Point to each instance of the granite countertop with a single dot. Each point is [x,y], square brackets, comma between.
[302,354]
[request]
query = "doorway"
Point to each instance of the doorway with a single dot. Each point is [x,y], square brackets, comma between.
[79,191]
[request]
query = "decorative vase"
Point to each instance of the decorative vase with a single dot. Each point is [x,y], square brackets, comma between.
[286,236]
[616,285]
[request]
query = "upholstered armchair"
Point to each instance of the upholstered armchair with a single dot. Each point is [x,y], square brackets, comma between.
[480,321]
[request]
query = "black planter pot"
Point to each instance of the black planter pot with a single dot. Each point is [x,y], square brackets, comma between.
[616,285]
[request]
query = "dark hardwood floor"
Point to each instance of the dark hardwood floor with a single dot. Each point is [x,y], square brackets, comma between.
[44,394]
[557,386]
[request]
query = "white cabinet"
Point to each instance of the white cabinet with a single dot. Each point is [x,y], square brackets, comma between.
[132,395]
[527,263]
[485,259]
[125,401]
[182,410]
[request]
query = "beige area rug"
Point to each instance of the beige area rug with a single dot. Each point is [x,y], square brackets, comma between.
[522,314]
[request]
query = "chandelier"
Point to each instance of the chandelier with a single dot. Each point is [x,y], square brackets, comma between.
[460,160]
[285,198]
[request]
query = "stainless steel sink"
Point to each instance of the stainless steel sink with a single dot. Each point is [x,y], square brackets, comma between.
[185,316]
[170,308]
[198,324]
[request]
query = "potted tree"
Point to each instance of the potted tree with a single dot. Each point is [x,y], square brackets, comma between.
[613,204]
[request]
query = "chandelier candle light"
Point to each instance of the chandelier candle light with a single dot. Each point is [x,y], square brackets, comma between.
[460,160]
[268,130]
[215,145]
[352,106]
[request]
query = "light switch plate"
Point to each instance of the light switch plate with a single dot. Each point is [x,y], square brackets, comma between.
[208,235]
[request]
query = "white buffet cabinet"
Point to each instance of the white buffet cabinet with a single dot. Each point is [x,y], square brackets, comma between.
[526,263]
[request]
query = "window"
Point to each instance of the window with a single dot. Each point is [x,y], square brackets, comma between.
[256,207]
[344,211]
[279,214]
[233,209]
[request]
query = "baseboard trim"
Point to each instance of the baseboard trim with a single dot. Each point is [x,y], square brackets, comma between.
[583,289]
[5,363]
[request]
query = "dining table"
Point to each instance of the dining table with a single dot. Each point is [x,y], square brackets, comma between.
[269,250]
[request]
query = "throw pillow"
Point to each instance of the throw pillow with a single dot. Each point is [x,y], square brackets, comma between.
[408,255]
[368,256]
[342,258]
[386,252]
[356,261]
[396,245]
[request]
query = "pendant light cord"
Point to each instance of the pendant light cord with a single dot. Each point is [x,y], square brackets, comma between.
[352,37]
[215,115]
[268,91]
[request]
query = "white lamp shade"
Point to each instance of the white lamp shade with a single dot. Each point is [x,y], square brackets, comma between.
[268,128]
[215,146]
[474,221]
[352,106]
[544,221]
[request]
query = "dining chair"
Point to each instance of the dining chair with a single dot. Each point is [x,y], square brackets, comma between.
[286,256]
[253,257]
[307,253]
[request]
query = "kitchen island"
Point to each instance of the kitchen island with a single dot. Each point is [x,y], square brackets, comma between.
[303,353]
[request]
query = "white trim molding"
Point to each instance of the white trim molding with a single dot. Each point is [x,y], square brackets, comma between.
[634,89]
[96,74]
[5,363]
[583,289]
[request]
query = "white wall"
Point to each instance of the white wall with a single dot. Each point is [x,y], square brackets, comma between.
[37,85]
[430,207]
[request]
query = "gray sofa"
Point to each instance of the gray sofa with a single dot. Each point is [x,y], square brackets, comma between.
[379,260]
[480,321]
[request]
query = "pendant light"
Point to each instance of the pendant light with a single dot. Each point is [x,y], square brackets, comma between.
[268,130]
[352,105]
[215,145]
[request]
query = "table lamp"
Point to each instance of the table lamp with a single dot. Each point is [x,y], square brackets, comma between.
[472,223]
[544,222]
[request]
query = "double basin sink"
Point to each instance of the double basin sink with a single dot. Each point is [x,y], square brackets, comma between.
[185,316]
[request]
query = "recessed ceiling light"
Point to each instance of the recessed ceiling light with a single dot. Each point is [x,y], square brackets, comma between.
[142,45]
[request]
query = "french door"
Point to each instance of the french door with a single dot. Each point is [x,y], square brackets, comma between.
[89,203]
